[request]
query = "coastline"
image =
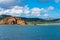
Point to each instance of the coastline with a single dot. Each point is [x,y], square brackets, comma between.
[30,24]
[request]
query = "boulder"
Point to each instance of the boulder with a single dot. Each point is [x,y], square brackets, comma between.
[13,20]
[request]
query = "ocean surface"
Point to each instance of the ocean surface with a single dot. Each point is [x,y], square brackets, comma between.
[30,32]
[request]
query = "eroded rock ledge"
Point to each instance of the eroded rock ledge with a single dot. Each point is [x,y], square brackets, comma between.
[13,20]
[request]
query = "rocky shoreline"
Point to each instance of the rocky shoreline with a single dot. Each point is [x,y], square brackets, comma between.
[13,20]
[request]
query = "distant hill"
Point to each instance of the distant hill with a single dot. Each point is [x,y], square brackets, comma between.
[4,16]
[31,19]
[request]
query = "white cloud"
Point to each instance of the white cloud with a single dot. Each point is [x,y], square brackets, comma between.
[1,11]
[27,15]
[26,10]
[15,11]
[18,11]
[50,8]
[6,1]
[38,15]
[35,11]
[44,10]
[46,15]
[57,1]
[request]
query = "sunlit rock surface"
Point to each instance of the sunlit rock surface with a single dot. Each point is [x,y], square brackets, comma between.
[13,20]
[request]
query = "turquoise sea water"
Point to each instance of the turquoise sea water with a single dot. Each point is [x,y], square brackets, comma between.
[30,32]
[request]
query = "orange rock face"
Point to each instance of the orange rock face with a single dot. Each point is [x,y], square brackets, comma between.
[13,20]
[20,22]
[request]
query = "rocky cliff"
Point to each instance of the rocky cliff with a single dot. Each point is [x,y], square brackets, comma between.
[13,20]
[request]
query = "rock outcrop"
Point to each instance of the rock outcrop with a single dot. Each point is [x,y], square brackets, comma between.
[13,20]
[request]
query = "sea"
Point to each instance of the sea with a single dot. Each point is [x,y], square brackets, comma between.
[30,32]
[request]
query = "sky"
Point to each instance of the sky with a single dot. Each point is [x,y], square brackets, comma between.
[31,8]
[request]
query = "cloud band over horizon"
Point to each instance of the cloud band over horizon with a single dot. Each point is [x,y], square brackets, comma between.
[19,10]
[30,8]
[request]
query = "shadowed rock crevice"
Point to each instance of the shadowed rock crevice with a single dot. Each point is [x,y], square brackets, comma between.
[13,20]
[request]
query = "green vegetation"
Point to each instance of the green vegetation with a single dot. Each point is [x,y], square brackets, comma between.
[40,22]
[34,20]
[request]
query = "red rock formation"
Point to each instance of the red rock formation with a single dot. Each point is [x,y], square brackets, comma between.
[13,20]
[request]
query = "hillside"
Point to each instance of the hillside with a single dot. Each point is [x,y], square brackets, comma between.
[33,20]
[7,19]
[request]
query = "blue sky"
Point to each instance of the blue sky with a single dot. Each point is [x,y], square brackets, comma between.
[31,8]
